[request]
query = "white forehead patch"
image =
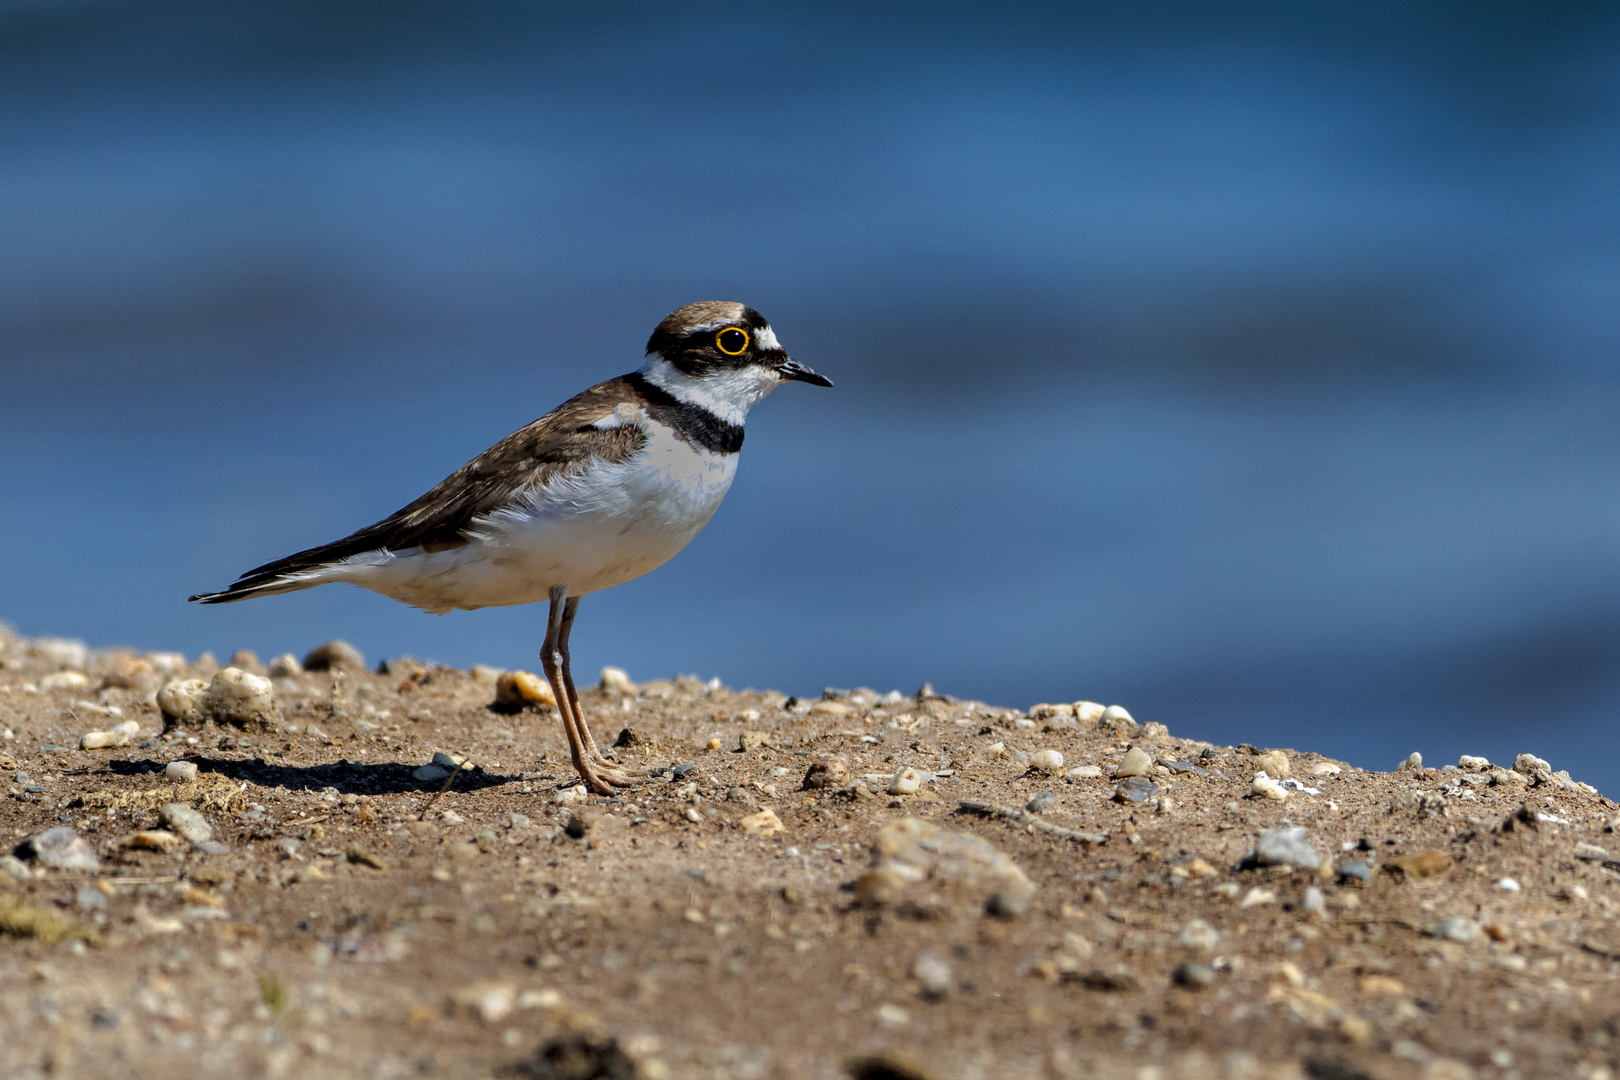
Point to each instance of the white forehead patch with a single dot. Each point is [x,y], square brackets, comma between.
[765,338]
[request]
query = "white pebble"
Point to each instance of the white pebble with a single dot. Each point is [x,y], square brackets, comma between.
[181,772]
[1314,900]
[1046,760]
[447,761]
[118,735]
[906,781]
[1508,884]
[1257,896]
[1325,768]
[182,700]
[1458,929]
[1116,713]
[240,697]
[575,794]
[1086,772]
[617,680]
[286,666]
[1274,763]
[1088,712]
[1469,761]
[1136,762]
[1198,934]
[1413,763]
[64,680]
[1265,785]
[1529,763]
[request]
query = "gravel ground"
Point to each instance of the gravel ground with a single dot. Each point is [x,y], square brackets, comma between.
[308,902]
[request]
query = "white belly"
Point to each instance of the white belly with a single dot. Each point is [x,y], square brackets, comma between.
[601,527]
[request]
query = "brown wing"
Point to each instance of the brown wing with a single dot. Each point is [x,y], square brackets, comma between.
[560,441]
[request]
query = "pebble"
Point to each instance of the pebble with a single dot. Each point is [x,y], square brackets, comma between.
[516,689]
[242,699]
[906,781]
[63,652]
[518,821]
[1089,712]
[183,701]
[1505,777]
[64,680]
[449,762]
[1136,762]
[764,823]
[575,794]
[286,666]
[1135,789]
[187,822]
[1356,871]
[1274,763]
[61,848]
[616,680]
[1041,803]
[153,840]
[832,773]
[1413,763]
[741,794]
[1046,760]
[117,735]
[483,673]
[1115,714]
[1459,929]
[1257,896]
[247,660]
[1528,764]
[1086,772]
[915,854]
[1193,976]
[1264,785]
[88,898]
[749,741]
[933,974]
[13,867]
[430,774]
[334,654]
[1315,902]
[1469,761]
[829,708]
[1180,768]
[131,673]
[1198,934]
[181,772]
[1286,846]
[1325,768]
[1508,884]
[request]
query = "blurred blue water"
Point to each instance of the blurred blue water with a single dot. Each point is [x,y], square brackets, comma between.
[1254,368]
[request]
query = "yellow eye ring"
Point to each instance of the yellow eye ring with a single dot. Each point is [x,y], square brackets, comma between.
[721,339]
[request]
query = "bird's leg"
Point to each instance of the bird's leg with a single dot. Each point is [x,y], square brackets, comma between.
[603,763]
[551,661]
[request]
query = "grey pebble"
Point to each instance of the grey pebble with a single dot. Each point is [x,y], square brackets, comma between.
[1193,976]
[90,898]
[1184,767]
[60,848]
[1286,846]
[291,848]
[680,771]
[1041,803]
[518,821]
[1135,789]
[1458,929]
[180,771]
[182,819]
[934,973]
[1314,900]
[1356,871]
[429,774]
[741,795]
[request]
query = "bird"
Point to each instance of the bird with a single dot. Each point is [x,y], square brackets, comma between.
[602,489]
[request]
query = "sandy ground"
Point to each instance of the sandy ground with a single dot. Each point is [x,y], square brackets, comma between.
[341,921]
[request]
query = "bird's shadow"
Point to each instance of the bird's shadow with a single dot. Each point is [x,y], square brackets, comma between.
[370,778]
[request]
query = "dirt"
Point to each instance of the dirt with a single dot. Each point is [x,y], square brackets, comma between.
[347,919]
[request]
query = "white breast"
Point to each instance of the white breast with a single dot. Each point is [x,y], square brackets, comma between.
[599,527]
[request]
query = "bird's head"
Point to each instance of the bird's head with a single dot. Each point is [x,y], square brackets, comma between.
[723,355]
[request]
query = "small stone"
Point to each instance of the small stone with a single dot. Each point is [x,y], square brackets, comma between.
[182,819]
[742,795]
[1041,803]
[1086,772]
[361,857]
[131,673]
[430,774]
[334,654]
[1508,884]
[829,708]
[905,781]
[60,848]
[242,699]
[1458,929]
[490,1001]
[1198,934]
[89,899]
[616,680]
[65,680]
[62,652]
[575,794]
[1413,763]
[933,974]
[1315,902]
[1264,785]
[183,701]
[1472,763]
[1046,760]
[180,772]
[246,660]
[286,666]
[752,740]
[1257,896]
[1529,765]
[154,840]
[1115,714]
[518,821]
[1507,778]
[1325,768]
[1422,864]
[832,773]
[1274,763]
[449,762]
[1286,846]
[483,673]
[634,739]
[515,690]
[1089,712]
[1048,712]
[1136,762]
[764,823]
[1193,976]
[118,735]
[13,867]
[1134,789]
[1356,871]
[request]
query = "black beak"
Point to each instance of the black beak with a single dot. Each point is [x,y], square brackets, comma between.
[793,371]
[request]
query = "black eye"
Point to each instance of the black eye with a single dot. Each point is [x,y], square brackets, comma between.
[731,341]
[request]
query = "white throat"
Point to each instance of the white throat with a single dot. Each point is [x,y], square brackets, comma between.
[728,394]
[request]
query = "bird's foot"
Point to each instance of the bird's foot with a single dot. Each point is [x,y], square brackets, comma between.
[603,778]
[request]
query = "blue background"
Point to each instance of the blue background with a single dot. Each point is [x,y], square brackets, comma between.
[1252,365]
